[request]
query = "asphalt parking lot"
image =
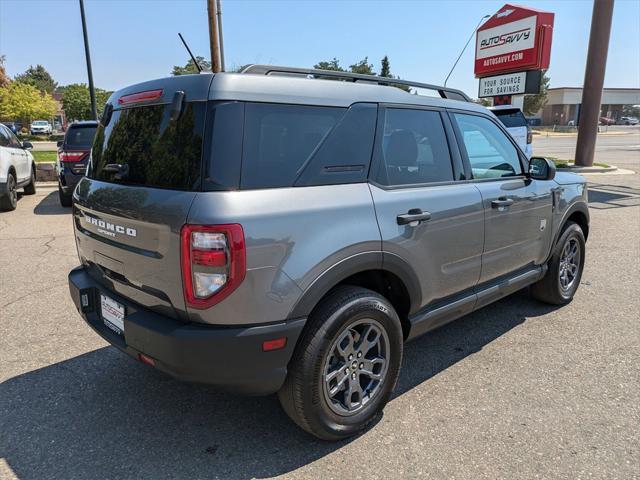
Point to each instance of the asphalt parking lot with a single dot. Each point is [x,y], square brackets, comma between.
[515,390]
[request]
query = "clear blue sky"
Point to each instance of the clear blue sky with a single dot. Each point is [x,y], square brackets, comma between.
[135,40]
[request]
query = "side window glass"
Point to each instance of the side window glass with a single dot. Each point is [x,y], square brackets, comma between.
[344,156]
[13,140]
[4,137]
[414,148]
[279,139]
[490,152]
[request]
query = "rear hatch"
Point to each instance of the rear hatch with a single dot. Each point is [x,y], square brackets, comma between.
[516,124]
[76,146]
[143,174]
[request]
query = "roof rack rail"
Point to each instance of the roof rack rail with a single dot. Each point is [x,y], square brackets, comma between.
[444,92]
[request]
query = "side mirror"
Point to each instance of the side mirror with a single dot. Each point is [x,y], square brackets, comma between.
[59,143]
[27,145]
[541,168]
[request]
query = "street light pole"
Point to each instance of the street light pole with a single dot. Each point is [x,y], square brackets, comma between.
[92,92]
[465,47]
[593,81]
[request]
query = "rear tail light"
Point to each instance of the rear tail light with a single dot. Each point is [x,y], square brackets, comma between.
[71,156]
[529,135]
[213,262]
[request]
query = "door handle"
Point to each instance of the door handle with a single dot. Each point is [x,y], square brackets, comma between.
[502,202]
[413,215]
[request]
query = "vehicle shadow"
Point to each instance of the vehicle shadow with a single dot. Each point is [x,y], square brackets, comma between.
[103,415]
[50,205]
[602,197]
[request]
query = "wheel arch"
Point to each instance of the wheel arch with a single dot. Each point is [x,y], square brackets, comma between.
[381,272]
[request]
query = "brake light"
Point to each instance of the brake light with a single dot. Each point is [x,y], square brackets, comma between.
[70,156]
[139,97]
[529,135]
[213,261]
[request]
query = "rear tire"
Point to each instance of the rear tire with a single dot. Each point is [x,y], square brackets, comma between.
[30,189]
[9,199]
[563,276]
[338,384]
[65,200]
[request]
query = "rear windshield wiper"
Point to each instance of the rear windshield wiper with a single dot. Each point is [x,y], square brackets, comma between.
[121,170]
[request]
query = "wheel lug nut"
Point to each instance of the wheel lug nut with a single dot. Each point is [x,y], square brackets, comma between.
[350,357]
[362,365]
[353,376]
[346,371]
[359,354]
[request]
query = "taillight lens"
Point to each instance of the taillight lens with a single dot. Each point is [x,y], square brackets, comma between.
[71,156]
[213,262]
[529,135]
[140,97]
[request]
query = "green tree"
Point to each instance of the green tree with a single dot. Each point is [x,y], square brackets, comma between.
[4,78]
[385,70]
[533,103]
[190,67]
[76,101]
[333,65]
[24,102]
[39,78]
[482,101]
[363,67]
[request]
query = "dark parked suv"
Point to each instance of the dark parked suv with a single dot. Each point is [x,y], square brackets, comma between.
[274,231]
[73,156]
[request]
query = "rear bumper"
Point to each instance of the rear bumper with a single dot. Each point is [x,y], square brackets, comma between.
[229,357]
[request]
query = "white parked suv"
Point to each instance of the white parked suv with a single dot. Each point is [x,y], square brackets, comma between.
[41,127]
[17,169]
[516,123]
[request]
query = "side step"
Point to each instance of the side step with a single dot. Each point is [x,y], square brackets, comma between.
[432,317]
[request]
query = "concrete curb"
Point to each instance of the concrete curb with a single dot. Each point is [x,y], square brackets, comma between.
[578,169]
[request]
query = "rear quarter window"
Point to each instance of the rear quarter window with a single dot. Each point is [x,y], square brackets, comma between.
[278,140]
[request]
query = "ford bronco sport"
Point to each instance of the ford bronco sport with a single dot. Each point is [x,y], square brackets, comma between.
[279,231]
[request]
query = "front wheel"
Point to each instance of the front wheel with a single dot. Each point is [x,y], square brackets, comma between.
[346,364]
[562,279]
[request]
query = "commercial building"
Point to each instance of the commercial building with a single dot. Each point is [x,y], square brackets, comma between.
[563,104]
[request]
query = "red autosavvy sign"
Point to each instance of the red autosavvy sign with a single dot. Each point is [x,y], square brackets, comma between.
[514,39]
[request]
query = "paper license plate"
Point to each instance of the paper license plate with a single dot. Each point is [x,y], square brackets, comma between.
[112,314]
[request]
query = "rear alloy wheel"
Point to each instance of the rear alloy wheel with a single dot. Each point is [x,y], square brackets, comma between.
[356,367]
[345,365]
[564,272]
[9,200]
[30,188]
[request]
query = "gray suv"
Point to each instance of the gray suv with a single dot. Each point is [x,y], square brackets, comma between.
[287,230]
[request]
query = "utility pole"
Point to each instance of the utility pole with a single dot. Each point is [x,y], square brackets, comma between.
[92,91]
[220,35]
[213,36]
[593,81]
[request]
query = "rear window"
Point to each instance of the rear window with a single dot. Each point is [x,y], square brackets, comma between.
[511,118]
[141,146]
[80,136]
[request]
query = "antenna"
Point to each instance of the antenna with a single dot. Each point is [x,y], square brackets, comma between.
[195,62]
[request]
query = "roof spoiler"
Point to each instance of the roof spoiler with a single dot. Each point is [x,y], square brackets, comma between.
[444,92]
